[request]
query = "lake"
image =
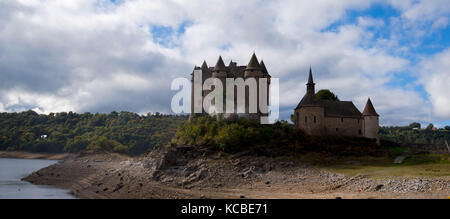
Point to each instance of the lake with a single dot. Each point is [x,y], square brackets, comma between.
[11,186]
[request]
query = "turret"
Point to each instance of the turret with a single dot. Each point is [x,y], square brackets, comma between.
[204,65]
[253,69]
[220,70]
[371,122]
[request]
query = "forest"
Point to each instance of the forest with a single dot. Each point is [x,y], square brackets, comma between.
[122,132]
[414,134]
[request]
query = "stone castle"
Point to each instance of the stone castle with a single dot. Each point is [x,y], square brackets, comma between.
[339,118]
[313,116]
[254,69]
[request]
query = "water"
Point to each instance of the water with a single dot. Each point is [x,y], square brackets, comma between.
[11,186]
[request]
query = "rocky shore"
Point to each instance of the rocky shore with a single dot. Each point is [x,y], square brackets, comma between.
[188,172]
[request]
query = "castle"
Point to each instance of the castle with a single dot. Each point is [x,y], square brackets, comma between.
[312,115]
[254,69]
[329,117]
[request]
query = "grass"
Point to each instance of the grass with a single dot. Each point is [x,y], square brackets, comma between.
[428,165]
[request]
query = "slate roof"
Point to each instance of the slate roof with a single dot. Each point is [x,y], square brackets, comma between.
[220,66]
[369,110]
[254,64]
[233,70]
[332,108]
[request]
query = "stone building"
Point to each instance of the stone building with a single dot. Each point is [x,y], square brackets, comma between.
[254,69]
[328,117]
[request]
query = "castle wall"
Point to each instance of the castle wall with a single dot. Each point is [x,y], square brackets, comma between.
[371,127]
[344,126]
[311,120]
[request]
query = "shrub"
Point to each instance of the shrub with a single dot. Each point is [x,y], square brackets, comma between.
[104,144]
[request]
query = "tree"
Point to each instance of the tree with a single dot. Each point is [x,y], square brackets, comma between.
[430,126]
[326,95]
[447,128]
[293,119]
[415,125]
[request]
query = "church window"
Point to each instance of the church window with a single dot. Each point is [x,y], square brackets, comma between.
[314,119]
[306,119]
[360,132]
[342,120]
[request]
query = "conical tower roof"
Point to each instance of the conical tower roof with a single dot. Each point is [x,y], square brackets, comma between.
[263,66]
[310,79]
[253,64]
[204,65]
[220,66]
[369,110]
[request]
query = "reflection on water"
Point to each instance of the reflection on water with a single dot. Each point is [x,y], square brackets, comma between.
[11,186]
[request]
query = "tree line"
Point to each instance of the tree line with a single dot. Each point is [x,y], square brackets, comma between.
[414,134]
[130,133]
[123,132]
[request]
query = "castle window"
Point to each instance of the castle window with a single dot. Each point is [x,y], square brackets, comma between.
[306,119]
[314,119]
[337,129]
[358,121]
[342,120]
[360,132]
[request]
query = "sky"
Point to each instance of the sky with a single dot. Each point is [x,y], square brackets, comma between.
[122,55]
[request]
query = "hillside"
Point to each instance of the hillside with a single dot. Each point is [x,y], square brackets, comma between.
[71,132]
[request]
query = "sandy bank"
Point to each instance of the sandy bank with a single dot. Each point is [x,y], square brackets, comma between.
[28,155]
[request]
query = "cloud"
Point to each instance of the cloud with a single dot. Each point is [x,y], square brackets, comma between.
[435,76]
[99,56]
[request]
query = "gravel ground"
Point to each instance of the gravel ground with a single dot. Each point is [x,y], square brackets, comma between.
[186,172]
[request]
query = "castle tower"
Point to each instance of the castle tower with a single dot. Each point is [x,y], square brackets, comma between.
[253,70]
[371,122]
[204,69]
[220,71]
[266,75]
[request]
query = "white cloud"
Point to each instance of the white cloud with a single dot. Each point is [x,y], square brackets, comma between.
[87,55]
[435,76]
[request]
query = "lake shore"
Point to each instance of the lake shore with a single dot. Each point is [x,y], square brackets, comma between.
[29,155]
[186,173]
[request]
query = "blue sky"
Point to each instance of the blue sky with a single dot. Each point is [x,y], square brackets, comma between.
[104,55]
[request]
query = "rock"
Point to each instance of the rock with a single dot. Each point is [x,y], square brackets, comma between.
[378,187]
[118,187]
[196,176]
[249,172]
[189,170]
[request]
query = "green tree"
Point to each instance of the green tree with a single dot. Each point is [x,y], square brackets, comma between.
[104,144]
[447,128]
[326,95]
[430,126]
[415,125]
